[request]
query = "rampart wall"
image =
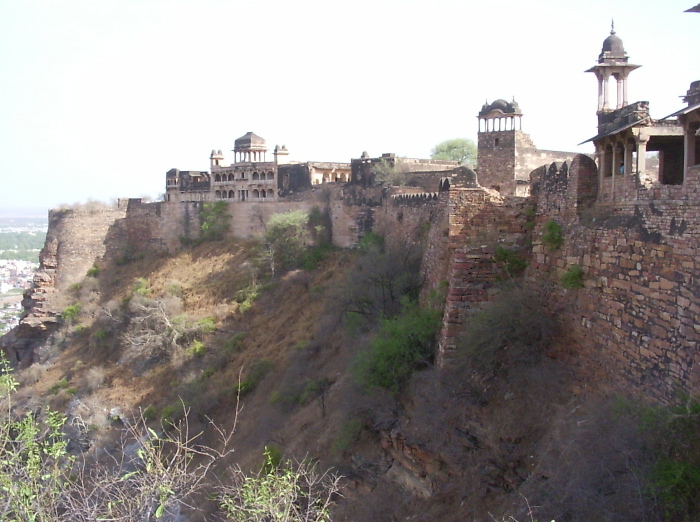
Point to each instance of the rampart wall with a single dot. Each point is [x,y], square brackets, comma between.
[634,322]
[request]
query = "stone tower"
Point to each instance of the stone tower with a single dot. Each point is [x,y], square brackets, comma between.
[501,141]
[612,63]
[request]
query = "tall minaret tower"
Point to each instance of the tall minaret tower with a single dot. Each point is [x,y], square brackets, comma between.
[612,62]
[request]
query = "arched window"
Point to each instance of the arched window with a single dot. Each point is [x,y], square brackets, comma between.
[217,178]
[230,177]
[256,176]
[270,194]
[262,175]
[256,194]
[217,194]
[270,175]
[231,195]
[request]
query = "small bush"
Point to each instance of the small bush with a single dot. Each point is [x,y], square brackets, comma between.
[312,258]
[60,385]
[349,433]
[258,370]
[234,344]
[552,236]
[206,325]
[247,296]
[140,287]
[513,328]
[71,312]
[573,277]
[196,349]
[403,345]
[173,413]
[150,413]
[93,271]
[510,260]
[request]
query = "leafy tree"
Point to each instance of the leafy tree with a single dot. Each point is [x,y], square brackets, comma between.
[286,237]
[461,150]
[215,221]
[389,173]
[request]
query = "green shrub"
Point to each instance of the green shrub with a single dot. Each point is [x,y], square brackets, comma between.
[552,236]
[403,345]
[150,413]
[371,241]
[172,413]
[207,373]
[312,258]
[206,325]
[247,296]
[573,277]
[258,370]
[196,349]
[100,334]
[93,271]
[141,286]
[60,385]
[71,312]
[510,260]
[234,344]
[272,458]
[349,433]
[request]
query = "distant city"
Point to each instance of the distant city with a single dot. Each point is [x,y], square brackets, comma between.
[21,239]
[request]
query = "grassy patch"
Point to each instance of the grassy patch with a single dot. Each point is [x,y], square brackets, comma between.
[573,277]
[552,236]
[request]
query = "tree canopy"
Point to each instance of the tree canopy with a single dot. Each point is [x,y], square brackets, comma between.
[461,150]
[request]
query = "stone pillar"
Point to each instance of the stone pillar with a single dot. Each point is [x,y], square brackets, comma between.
[599,157]
[619,91]
[629,149]
[689,145]
[642,156]
[624,91]
[606,106]
[600,93]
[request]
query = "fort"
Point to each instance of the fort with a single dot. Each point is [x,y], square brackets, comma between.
[632,230]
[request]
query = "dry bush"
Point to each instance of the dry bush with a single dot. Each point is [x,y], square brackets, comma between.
[594,464]
[94,378]
[514,328]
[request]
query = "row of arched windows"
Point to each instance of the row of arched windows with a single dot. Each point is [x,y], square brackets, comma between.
[219,178]
[257,194]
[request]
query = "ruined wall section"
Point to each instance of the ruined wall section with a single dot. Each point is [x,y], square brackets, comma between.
[479,222]
[634,321]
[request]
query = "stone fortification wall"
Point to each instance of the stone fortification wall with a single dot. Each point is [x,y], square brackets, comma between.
[635,321]
[75,240]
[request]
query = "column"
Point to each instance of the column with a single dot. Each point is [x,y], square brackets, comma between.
[624,90]
[606,106]
[629,149]
[642,156]
[619,91]
[689,145]
[600,93]
[599,155]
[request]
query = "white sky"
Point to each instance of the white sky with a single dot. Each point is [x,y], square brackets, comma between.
[99,98]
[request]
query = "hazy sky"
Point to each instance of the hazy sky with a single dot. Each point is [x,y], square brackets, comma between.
[99,98]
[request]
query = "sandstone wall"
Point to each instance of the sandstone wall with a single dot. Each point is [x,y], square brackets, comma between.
[635,321]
